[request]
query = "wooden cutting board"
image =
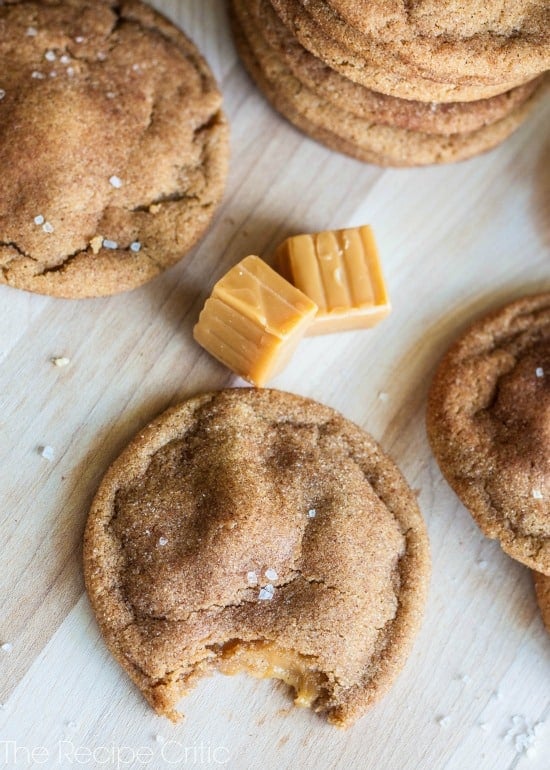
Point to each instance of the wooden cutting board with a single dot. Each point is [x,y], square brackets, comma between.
[455,241]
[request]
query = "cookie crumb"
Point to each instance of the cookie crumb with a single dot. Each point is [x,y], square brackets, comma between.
[266,592]
[115,181]
[271,574]
[39,220]
[539,371]
[60,361]
[135,246]
[163,540]
[444,721]
[47,453]
[523,734]
[50,56]
[31,32]
[537,494]
[312,513]
[252,578]
[96,244]
[48,227]
[7,647]
[108,244]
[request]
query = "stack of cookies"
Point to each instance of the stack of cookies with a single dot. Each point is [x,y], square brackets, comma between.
[398,84]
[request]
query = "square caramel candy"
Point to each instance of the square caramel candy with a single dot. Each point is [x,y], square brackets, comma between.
[340,271]
[253,320]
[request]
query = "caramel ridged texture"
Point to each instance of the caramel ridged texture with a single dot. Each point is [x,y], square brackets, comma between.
[488,422]
[257,482]
[113,146]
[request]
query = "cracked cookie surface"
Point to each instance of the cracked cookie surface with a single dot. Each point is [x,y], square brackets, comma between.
[113,146]
[257,530]
[488,422]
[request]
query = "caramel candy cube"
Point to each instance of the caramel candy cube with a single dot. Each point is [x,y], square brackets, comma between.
[253,320]
[340,271]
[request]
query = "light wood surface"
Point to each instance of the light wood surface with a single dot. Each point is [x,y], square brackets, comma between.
[455,241]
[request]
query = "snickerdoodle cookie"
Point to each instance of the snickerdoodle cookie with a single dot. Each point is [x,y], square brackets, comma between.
[373,62]
[489,426]
[430,117]
[113,145]
[542,588]
[360,137]
[261,531]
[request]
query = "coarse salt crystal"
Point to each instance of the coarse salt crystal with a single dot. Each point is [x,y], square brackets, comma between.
[444,721]
[70,71]
[485,726]
[159,738]
[37,75]
[60,361]
[252,578]
[2,93]
[539,371]
[65,59]
[48,227]
[163,540]
[135,246]
[47,453]
[101,56]
[31,32]
[7,647]
[383,396]
[537,494]
[53,74]
[266,592]
[115,181]
[110,94]
[50,56]
[39,220]
[312,513]
[271,574]
[108,244]
[79,39]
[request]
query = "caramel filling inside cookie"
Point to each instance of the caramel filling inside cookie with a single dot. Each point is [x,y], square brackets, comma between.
[265,660]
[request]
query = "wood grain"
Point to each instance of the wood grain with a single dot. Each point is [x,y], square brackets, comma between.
[455,241]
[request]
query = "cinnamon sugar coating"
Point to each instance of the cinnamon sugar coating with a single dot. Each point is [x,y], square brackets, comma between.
[257,482]
[489,426]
